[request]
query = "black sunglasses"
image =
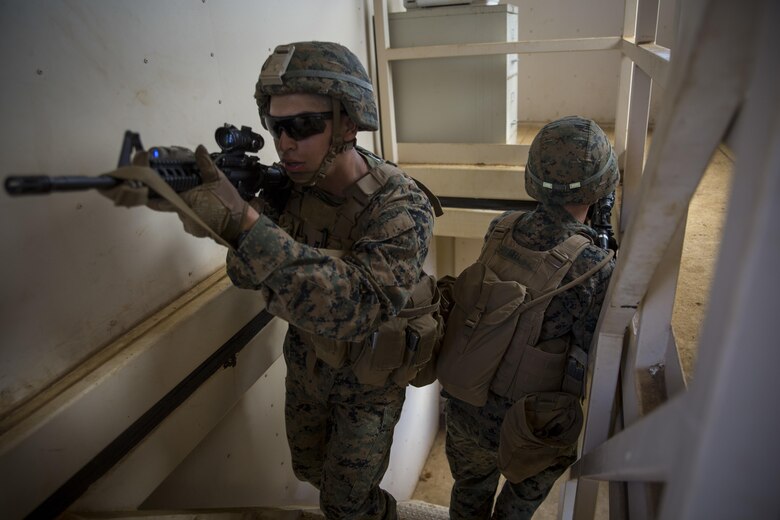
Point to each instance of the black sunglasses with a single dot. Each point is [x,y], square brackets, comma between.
[299,126]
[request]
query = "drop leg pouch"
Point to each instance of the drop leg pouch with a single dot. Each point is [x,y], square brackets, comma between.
[537,430]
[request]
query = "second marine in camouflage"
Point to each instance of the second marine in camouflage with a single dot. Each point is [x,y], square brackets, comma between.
[570,166]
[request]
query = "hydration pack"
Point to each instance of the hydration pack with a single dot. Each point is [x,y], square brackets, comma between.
[492,331]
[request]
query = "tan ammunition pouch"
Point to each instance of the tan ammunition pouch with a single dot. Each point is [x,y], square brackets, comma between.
[424,331]
[403,348]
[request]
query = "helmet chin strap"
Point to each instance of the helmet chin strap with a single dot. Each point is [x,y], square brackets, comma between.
[337,146]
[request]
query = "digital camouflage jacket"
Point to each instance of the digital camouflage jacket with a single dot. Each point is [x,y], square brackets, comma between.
[341,298]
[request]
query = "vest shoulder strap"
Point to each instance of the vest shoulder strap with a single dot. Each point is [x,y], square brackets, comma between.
[500,233]
[517,363]
[358,198]
[371,183]
[584,276]
[392,169]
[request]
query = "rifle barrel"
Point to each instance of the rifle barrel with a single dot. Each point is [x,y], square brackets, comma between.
[37,184]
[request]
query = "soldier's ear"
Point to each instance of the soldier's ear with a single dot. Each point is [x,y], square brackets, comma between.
[350,128]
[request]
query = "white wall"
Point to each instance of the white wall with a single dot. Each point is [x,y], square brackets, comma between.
[77,272]
[553,85]
[245,462]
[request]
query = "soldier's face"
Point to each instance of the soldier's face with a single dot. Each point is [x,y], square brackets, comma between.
[301,125]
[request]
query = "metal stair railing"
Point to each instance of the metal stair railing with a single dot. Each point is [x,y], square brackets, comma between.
[705,451]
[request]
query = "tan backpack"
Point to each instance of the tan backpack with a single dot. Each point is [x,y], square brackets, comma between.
[492,331]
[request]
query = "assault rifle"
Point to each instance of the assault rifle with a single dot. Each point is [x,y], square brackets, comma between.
[176,166]
[600,218]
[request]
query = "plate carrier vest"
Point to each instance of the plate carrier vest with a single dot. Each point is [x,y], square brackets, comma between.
[418,326]
[491,336]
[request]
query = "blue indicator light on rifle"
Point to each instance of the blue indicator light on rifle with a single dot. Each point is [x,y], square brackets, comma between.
[155,153]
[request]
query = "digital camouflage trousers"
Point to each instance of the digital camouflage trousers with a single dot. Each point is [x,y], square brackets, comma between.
[472,452]
[340,433]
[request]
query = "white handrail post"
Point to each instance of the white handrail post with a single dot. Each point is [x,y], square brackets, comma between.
[385,82]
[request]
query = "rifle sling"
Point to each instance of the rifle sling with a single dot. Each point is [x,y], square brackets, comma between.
[150,178]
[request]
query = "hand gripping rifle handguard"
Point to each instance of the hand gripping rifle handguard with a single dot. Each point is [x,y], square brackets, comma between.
[177,167]
[600,219]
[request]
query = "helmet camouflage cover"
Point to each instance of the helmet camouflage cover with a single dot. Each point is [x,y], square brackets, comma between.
[322,68]
[571,162]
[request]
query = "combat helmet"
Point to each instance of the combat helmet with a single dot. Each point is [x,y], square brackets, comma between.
[323,68]
[571,162]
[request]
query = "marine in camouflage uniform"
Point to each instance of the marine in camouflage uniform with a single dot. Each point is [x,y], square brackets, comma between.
[339,430]
[564,152]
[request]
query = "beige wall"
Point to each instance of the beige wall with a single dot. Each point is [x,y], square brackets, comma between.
[77,272]
[552,85]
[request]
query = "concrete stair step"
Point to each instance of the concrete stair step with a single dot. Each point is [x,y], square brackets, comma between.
[407,510]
